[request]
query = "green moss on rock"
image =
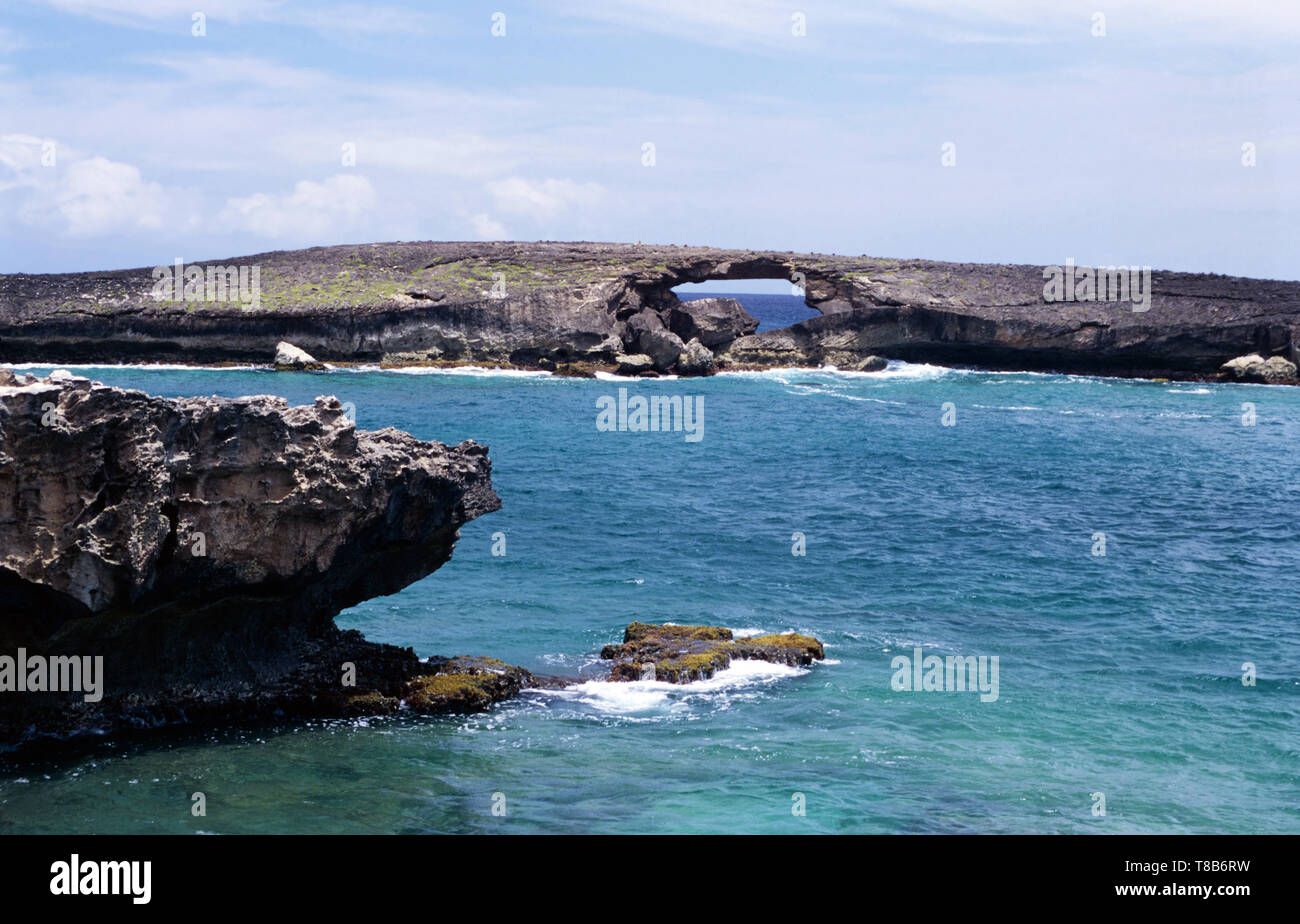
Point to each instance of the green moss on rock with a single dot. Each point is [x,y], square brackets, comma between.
[465,684]
[681,654]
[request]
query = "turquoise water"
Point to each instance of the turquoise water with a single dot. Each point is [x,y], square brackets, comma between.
[1119,674]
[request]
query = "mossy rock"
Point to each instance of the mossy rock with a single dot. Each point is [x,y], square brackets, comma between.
[681,654]
[465,684]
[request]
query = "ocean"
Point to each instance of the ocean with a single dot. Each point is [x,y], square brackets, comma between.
[772,311]
[1120,675]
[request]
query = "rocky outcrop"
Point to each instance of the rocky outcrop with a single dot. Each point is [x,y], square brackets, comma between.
[645,332]
[715,322]
[579,305]
[866,364]
[1276,370]
[681,654]
[288,356]
[696,359]
[464,684]
[636,364]
[203,546]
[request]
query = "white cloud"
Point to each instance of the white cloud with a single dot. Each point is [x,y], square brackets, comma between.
[1209,21]
[362,18]
[97,196]
[716,22]
[487,228]
[20,156]
[543,200]
[764,25]
[336,20]
[213,70]
[79,196]
[310,210]
[181,10]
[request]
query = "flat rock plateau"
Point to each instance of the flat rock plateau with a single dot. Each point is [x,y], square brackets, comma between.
[580,307]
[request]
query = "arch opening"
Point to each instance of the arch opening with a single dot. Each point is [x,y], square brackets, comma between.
[773,302]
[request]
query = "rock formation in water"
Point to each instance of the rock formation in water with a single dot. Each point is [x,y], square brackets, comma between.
[580,307]
[681,654]
[1275,370]
[203,546]
[290,357]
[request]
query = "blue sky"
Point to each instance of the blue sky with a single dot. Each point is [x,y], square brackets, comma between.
[1123,148]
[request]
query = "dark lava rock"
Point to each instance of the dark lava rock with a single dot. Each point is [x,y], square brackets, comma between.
[868,364]
[696,359]
[681,654]
[203,546]
[647,335]
[715,322]
[462,685]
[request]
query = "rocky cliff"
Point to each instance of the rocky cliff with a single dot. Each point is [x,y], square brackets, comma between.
[579,306]
[202,547]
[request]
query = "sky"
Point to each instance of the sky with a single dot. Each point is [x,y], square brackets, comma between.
[1160,133]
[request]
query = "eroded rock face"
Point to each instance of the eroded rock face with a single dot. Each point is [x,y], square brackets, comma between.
[647,334]
[681,654]
[696,359]
[715,322]
[550,304]
[203,546]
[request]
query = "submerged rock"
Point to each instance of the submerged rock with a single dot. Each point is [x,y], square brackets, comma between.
[288,356]
[681,654]
[203,546]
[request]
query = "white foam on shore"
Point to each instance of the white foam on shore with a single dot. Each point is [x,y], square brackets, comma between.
[641,696]
[615,377]
[472,371]
[134,367]
[896,370]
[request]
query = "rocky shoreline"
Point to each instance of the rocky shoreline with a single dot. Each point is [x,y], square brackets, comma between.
[579,308]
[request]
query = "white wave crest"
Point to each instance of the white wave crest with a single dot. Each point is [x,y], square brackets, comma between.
[643,696]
